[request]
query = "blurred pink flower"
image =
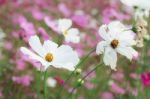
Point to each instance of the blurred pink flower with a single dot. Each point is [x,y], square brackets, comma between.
[106,95]
[81,20]
[1,95]
[110,14]
[119,76]
[37,14]
[28,27]
[43,33]
[20,64]
[59,80]
[117,89]
[2,2]
[8,45]
[89,85]
[23,80]
[145,77]
[51,24]
[64,9]
[134,75]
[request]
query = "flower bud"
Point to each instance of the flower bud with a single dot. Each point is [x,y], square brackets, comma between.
[80,82]
[78,71]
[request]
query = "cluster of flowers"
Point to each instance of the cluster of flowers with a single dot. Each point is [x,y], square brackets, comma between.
[67,50]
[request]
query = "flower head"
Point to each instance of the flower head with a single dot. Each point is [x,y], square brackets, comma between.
[116,38]
[142,4]
[71,34]
[49,54]
[142,33]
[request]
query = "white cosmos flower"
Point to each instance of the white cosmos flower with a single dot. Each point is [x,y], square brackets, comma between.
[51,82]
[143,7]
[116,38]
[71,34]
[49,54]
[2,36]
[142,4]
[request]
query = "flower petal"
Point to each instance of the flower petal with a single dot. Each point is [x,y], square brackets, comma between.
[103,32]
[50,46]
[73,31]
[115,28]
[129,52]
[36,45]
[110,58]
[64,24]
[65,57]
[101,46]
[34,56]
[72,36]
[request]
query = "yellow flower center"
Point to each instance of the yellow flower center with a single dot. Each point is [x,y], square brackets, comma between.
[65,32]
[114,43]
[49,57]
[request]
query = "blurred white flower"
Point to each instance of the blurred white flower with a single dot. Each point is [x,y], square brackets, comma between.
[116,38]
[143,7]
[51,82]
[49,54]
[142,33]
[71,34]
[2,35]
[142,4]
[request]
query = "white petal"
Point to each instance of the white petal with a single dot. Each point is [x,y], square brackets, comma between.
[72,36]
[36,45]
[126,43]
[64,24]
[73,31]
[126,35]
[66,58]
[34,56]
[103,32]
[101,46]
[73,39]
[50,46]
[130,2]
[115,28]
[110,58]
[129,52]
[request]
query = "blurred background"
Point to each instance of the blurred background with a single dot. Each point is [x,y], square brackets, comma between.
[19,76]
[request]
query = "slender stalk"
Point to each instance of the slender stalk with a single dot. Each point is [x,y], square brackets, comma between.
[38,81]
[68,78]
[45,76]
[98,65]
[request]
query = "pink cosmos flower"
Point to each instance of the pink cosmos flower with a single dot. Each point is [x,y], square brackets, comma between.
[81,20]
[64,9]
[51,24]
[37,14]
[8,45]
[43,33]
[106,95]
[110,14]
[117,89]
[20,64]
[23,80]
[145,77]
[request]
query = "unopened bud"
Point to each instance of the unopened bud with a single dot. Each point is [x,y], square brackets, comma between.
[80,82]
[78,71]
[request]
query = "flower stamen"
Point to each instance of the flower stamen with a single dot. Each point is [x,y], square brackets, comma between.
[65,32]
[49,57]
[114,43]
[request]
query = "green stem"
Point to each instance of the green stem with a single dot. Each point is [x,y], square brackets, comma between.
[68,78]
[98,65]
[38,81]
[45,76]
